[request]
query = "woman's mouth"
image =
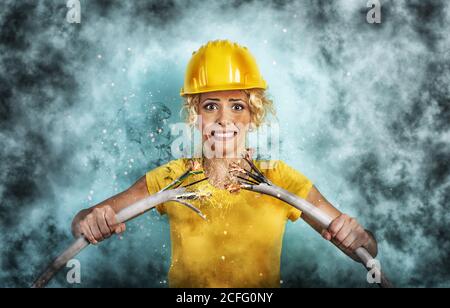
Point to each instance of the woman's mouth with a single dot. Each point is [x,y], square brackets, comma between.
[224,135]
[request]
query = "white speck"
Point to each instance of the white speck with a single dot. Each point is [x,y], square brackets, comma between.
[112,84]
[129,166]
[284,30]
[225,232]
[99,56]
[348,73]
[129,48]
[278,195]
[125,173]
[153,139]
[91,192]
[132,160]
[114,176]
[89,198]
[265,41]
[104,131]
[274,62]
[222,257]
[260,274]
[159,130]
[281,281]
[154,107]
[151,134]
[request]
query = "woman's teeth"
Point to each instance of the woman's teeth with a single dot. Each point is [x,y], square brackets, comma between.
[223,135]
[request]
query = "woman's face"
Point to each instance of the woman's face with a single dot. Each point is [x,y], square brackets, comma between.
[224,119]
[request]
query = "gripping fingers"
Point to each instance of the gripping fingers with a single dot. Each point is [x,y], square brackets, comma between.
[345,230]
[110,217]
[92,221]
[336,225]
[349,240]
[86,231]
[102,224]
[326,234]
[361,241]
[120,228]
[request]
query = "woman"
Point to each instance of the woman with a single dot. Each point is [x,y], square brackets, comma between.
[239,245]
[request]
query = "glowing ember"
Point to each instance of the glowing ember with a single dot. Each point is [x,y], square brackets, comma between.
[249,153]
[234,167]
[233,187]
[195,165]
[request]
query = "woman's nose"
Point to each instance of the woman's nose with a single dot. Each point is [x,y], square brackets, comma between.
[224,118]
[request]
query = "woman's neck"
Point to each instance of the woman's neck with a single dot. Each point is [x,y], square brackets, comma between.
[217,170]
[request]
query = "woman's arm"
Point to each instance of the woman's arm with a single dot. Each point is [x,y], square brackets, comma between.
[344,231]
[99,222]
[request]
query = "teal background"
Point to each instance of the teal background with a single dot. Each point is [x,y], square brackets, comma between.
[363,112]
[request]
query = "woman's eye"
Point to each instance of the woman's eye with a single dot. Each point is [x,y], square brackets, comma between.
[238,107]
[210,107]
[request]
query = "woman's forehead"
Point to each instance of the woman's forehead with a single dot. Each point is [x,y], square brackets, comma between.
[224,95]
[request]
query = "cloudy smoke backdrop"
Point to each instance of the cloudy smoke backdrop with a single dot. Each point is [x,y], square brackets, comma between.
[363,111]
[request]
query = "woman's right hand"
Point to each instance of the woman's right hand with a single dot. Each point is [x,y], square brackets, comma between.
[99,224]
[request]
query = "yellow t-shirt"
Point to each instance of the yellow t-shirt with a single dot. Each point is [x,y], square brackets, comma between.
[239,245]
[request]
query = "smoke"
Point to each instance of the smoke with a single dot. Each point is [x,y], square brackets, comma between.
[363,111]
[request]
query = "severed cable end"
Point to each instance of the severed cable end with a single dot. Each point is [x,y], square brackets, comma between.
[233,187]
[246,186]
[194,195]
[202,216]
[190,206]
[234,167]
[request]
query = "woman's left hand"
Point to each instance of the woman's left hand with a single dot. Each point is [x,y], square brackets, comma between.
[347,234]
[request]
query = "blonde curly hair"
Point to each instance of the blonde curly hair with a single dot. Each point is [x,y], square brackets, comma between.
[258,101]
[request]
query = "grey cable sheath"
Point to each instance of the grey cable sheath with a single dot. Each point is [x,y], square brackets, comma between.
[315,213]
[128,213]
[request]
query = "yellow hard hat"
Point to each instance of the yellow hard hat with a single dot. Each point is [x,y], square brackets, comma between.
[221,65]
